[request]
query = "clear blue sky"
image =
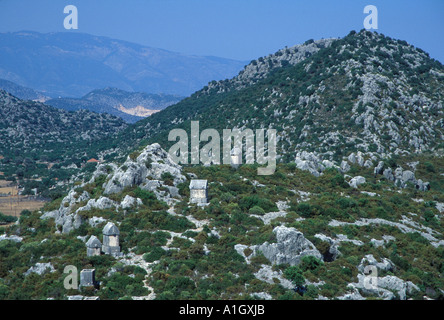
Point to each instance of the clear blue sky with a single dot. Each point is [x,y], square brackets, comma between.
[237,29]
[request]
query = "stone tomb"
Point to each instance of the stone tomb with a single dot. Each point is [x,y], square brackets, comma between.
[236,157]
[199,191]
[111,240]
[93,247]
[88,278]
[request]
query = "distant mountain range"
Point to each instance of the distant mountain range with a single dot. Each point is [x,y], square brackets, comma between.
[21,91]
[130,106]
[73,64]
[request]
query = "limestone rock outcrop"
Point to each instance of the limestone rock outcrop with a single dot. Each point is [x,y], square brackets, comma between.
[291,247]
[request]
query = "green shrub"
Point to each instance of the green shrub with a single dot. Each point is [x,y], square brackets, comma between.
[4,219]
[429,167]
[167,178]
[310,263]
[249,202]
[180,284]
[147,197]
[338,180]
[166,295]
[345,203]
[294,274]
[133,156]
[256,210]
[154,255]
[304,209]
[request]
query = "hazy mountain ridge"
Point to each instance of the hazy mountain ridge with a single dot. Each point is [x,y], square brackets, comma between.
[73,64]
[22,92]
[117,102]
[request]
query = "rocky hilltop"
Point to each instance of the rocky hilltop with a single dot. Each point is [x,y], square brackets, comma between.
[145,171]
[363,93]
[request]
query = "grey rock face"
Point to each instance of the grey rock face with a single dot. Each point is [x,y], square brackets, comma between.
[388,174]
[422,186]
[385,265]
[352,158]
[291,246]
[368,163]
[76,297]
[262,295]
[345,167]
[267,274]
[440,207]
[356,181]
[355,295]
[129,201]
[357,158]
[146,171]
[12,238]
[379,168]
[377,243]
[333,251]
[408,176]
[94,221]
[101,203]
[374,285]
[404,177]
[149,165]
[360,159]
[64,216]
[40,268]
[309,161]
[77,221]
[385,286]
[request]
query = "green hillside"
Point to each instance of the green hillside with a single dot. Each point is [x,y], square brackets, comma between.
[365,92]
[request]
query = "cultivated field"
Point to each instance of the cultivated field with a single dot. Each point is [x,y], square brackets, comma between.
[12,204]
[12,207]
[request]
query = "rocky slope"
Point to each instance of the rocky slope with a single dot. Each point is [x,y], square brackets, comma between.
[32,127]
[145,172]
[365,92]
[292,235]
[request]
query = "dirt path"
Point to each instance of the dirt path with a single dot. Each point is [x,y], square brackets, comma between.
[137,260]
